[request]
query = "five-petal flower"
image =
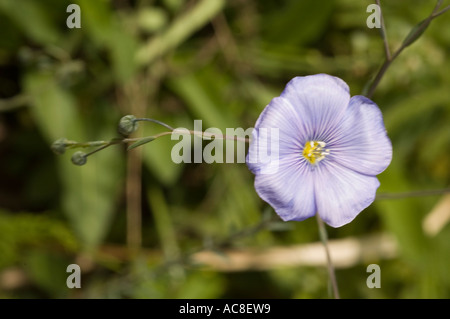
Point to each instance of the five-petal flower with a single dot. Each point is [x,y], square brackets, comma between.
[331,147]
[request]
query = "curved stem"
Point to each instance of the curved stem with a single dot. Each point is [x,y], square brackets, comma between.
[224,137]
[155,121]
[410,38]
[387,52]
[138,141]
[324,238]
[441,12]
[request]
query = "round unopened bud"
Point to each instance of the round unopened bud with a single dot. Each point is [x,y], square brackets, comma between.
[79,158]
[59,146]
[127,125]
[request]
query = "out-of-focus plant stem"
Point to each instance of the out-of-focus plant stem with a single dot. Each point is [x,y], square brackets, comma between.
[324,238]
[413,35]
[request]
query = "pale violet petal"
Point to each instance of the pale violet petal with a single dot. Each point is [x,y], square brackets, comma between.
[290,192]
[361,142]
[277,134]
[341,193]
[308,109]
[320,101]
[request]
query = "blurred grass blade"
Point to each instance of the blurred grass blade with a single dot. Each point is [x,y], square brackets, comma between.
[164,224]
[179,30]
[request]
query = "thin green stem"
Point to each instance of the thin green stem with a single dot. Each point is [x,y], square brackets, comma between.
[73,144]
[410,38]
[324,238]
[98,149]
[114,141]
[438,5]
[155,121]
[387,52]
[441,12]
[378,78]
[190,132]
[212,135]
[138,141]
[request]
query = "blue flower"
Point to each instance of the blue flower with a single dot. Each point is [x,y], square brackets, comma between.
[328,150]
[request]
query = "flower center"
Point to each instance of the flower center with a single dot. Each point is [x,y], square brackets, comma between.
[314,151]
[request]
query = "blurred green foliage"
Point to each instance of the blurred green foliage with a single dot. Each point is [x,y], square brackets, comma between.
[221,62]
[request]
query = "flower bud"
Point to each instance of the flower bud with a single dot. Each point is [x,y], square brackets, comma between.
[79,158]
[59,146]
[127,125]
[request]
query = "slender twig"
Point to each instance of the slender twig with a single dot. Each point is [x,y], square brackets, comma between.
[218,136]
[127,140]
[411,37]
[438,5]
[387,52]
[61,145]
[324,239]
[441,12]
[112,142]
[155,121]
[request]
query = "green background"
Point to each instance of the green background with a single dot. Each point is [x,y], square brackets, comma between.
[221,62]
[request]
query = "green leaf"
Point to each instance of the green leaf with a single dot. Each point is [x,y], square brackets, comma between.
[143,141]
[416,32]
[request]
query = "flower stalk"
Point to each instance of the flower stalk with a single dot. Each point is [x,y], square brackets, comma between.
[413,35]
[324,238]
[127,125]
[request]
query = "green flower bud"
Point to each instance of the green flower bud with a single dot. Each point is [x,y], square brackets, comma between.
[59,146]
[79,158]
[127,125]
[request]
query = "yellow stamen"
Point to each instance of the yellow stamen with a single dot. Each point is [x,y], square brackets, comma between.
[314,151]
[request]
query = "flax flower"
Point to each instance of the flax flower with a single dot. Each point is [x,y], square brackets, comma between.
[329,148]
